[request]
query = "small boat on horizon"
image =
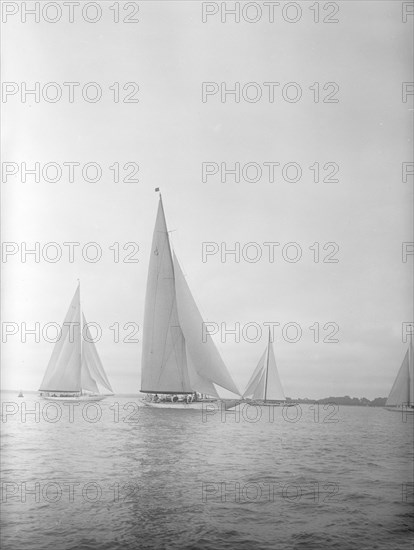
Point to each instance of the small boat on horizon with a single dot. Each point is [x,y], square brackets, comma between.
[401,397]
[75,368]
[20,394]
[179,370]
[264,387]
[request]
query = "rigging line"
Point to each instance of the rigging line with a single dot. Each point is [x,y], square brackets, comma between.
[267,366]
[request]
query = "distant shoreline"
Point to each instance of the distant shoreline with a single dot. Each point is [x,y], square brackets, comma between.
[344,400]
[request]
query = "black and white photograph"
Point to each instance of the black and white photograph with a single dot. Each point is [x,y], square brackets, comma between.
[207,256]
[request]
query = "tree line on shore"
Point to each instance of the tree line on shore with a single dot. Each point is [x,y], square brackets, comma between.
[345,400]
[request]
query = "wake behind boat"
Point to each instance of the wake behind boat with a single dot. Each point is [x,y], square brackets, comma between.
[176,363]
[401,397]
[75,369]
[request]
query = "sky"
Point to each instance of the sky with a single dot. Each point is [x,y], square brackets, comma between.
[169,133]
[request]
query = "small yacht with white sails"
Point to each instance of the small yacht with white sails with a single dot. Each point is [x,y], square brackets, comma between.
[401,397]
[75,370]
[264,386]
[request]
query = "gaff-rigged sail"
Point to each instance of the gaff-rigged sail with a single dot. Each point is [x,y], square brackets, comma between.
[174,357]
[402,391]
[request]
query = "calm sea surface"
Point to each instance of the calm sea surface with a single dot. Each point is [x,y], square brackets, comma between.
[308,478]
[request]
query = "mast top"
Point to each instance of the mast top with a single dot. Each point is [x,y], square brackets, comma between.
[158,190]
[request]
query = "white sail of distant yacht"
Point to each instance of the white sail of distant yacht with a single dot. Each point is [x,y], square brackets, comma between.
[75,369]
[402,392]
[264,384]
[176,360]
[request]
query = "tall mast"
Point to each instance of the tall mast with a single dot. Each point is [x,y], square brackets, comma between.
[168,232]
[267,366]
[80,330]
[410,368]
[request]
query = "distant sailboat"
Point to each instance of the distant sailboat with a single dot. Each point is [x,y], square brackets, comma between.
[75,369]
[20,394]
[401,397]
[264,386]
[177,366]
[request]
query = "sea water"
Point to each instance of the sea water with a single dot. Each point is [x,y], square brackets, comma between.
[115,475]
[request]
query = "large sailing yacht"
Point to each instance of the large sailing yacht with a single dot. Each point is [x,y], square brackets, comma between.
[178,368]
[75,369]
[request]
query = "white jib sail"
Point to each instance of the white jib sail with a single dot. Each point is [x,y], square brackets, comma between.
[205,358]
[256,385]
[92,368]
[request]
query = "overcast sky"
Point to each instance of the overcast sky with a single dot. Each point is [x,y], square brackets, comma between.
[169,133]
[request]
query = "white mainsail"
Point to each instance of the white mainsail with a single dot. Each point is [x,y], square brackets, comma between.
[264,384]
[402,391]
[174,357]
[63,372]
[74,366]
[164,363]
